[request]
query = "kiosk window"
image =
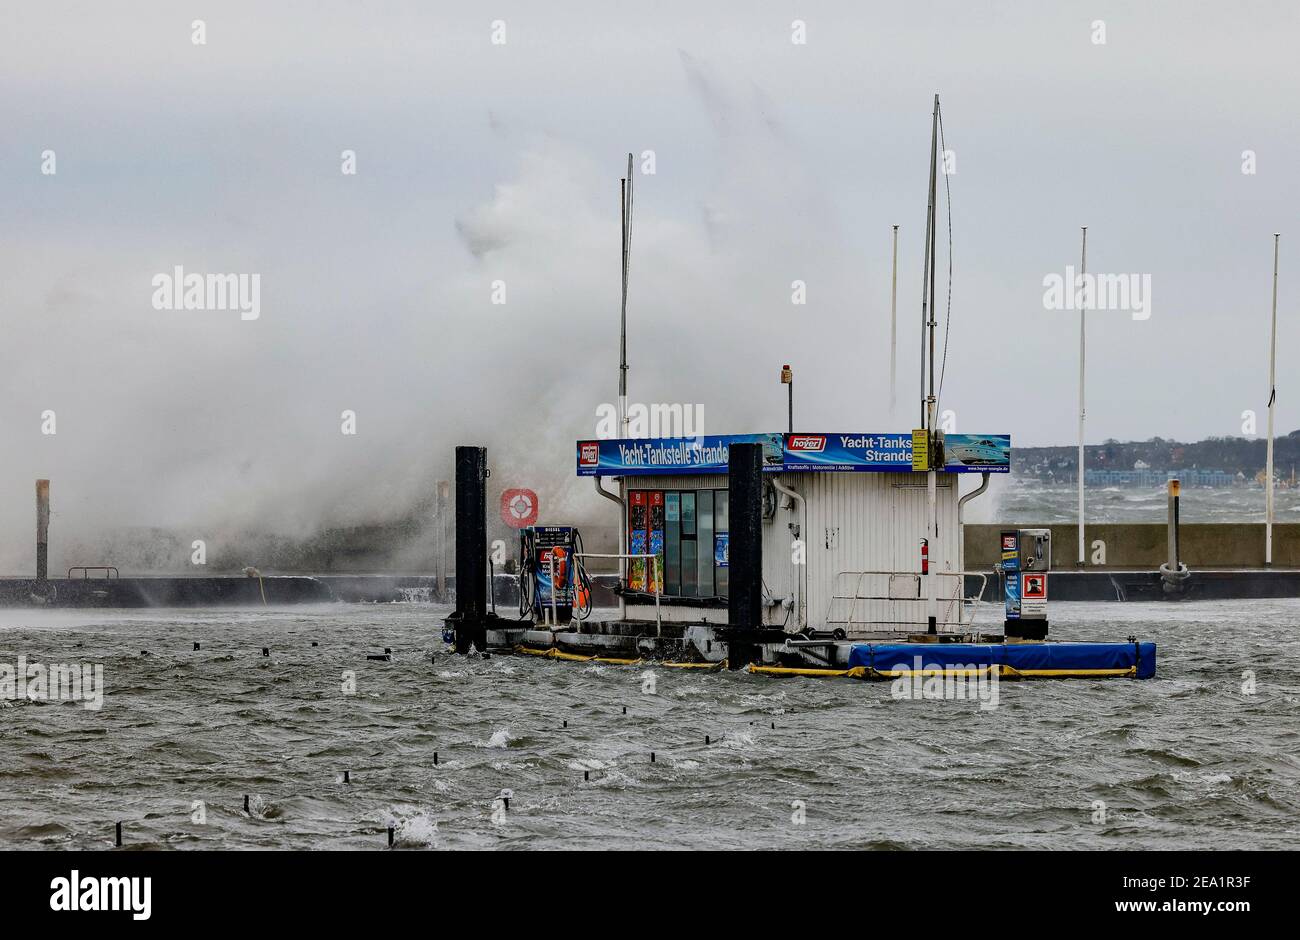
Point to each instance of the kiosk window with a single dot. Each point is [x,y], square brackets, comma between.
[720,532]
[689,554]
[704,499]
[672,543]
[695,524]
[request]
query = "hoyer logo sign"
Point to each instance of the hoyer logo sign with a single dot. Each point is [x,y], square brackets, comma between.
[806,443]
[589,454]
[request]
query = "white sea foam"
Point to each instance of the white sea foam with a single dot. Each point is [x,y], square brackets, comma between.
[414,826]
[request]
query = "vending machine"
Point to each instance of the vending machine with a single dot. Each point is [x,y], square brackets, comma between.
[1026,561]
[655,574]
[638,537]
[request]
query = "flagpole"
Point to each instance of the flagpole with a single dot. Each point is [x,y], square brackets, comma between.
[1084,295]
[893,330]
[1272,400]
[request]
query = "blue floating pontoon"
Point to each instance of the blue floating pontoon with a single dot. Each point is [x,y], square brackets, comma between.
[1030,660]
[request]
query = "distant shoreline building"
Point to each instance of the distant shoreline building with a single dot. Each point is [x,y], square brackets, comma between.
[1148,477]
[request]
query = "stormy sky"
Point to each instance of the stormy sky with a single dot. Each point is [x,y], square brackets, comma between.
[481,161]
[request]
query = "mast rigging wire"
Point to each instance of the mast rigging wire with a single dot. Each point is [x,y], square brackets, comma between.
[943,367]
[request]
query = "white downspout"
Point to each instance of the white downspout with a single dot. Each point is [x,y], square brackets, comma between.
[961,528]
[622,539]
[801,619]
[961,534]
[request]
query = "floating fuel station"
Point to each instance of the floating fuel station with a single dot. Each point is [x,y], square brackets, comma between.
[836,554]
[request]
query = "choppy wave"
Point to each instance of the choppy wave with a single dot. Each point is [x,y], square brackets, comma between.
[1199,758]
[1029,500]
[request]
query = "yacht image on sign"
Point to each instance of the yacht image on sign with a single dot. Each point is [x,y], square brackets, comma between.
[976,452]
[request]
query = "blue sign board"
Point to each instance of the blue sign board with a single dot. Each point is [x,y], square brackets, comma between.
[882,452]
[963,453]
[670,455]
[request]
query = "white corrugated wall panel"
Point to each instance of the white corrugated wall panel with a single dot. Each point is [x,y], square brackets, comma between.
[861,522]
[856,522]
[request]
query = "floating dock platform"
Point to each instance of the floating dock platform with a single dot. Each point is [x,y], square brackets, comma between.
[761,615]
[706,646]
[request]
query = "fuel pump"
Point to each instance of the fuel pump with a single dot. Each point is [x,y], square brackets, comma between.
[1026,561]
[554,587]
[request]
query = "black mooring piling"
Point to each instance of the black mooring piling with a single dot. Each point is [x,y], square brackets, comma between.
[390,837]
[118,835]
[42,532]
[347,776]
[468,620]
[245,802]
[745,509]
[196,647]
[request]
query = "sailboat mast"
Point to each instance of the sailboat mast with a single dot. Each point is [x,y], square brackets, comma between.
[927,274]
[927,407]
[934,183]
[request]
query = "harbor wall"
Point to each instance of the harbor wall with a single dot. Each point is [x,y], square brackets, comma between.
[1143,545]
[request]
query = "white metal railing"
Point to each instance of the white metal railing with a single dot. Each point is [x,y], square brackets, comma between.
[858,592]
[654,560]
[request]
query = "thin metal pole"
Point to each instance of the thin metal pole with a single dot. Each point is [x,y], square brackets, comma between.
[1272,400]
[791,400]
[550,564]
[893,330]
[622,331]
[626,200]
[932,477]
[934,183]
[1083,272]
[926,299]
[659,622]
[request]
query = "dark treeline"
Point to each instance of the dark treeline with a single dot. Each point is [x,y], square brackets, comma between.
[1231,454]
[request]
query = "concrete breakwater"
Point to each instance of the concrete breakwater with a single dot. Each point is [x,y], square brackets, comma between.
[1144,545]
[1226,561]
[242,591]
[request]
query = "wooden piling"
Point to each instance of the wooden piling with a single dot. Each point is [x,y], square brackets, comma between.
[42,530]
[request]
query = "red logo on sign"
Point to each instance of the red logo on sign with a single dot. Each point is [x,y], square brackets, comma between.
[588,454]
[808,443]
[518,508]
[1035,586]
